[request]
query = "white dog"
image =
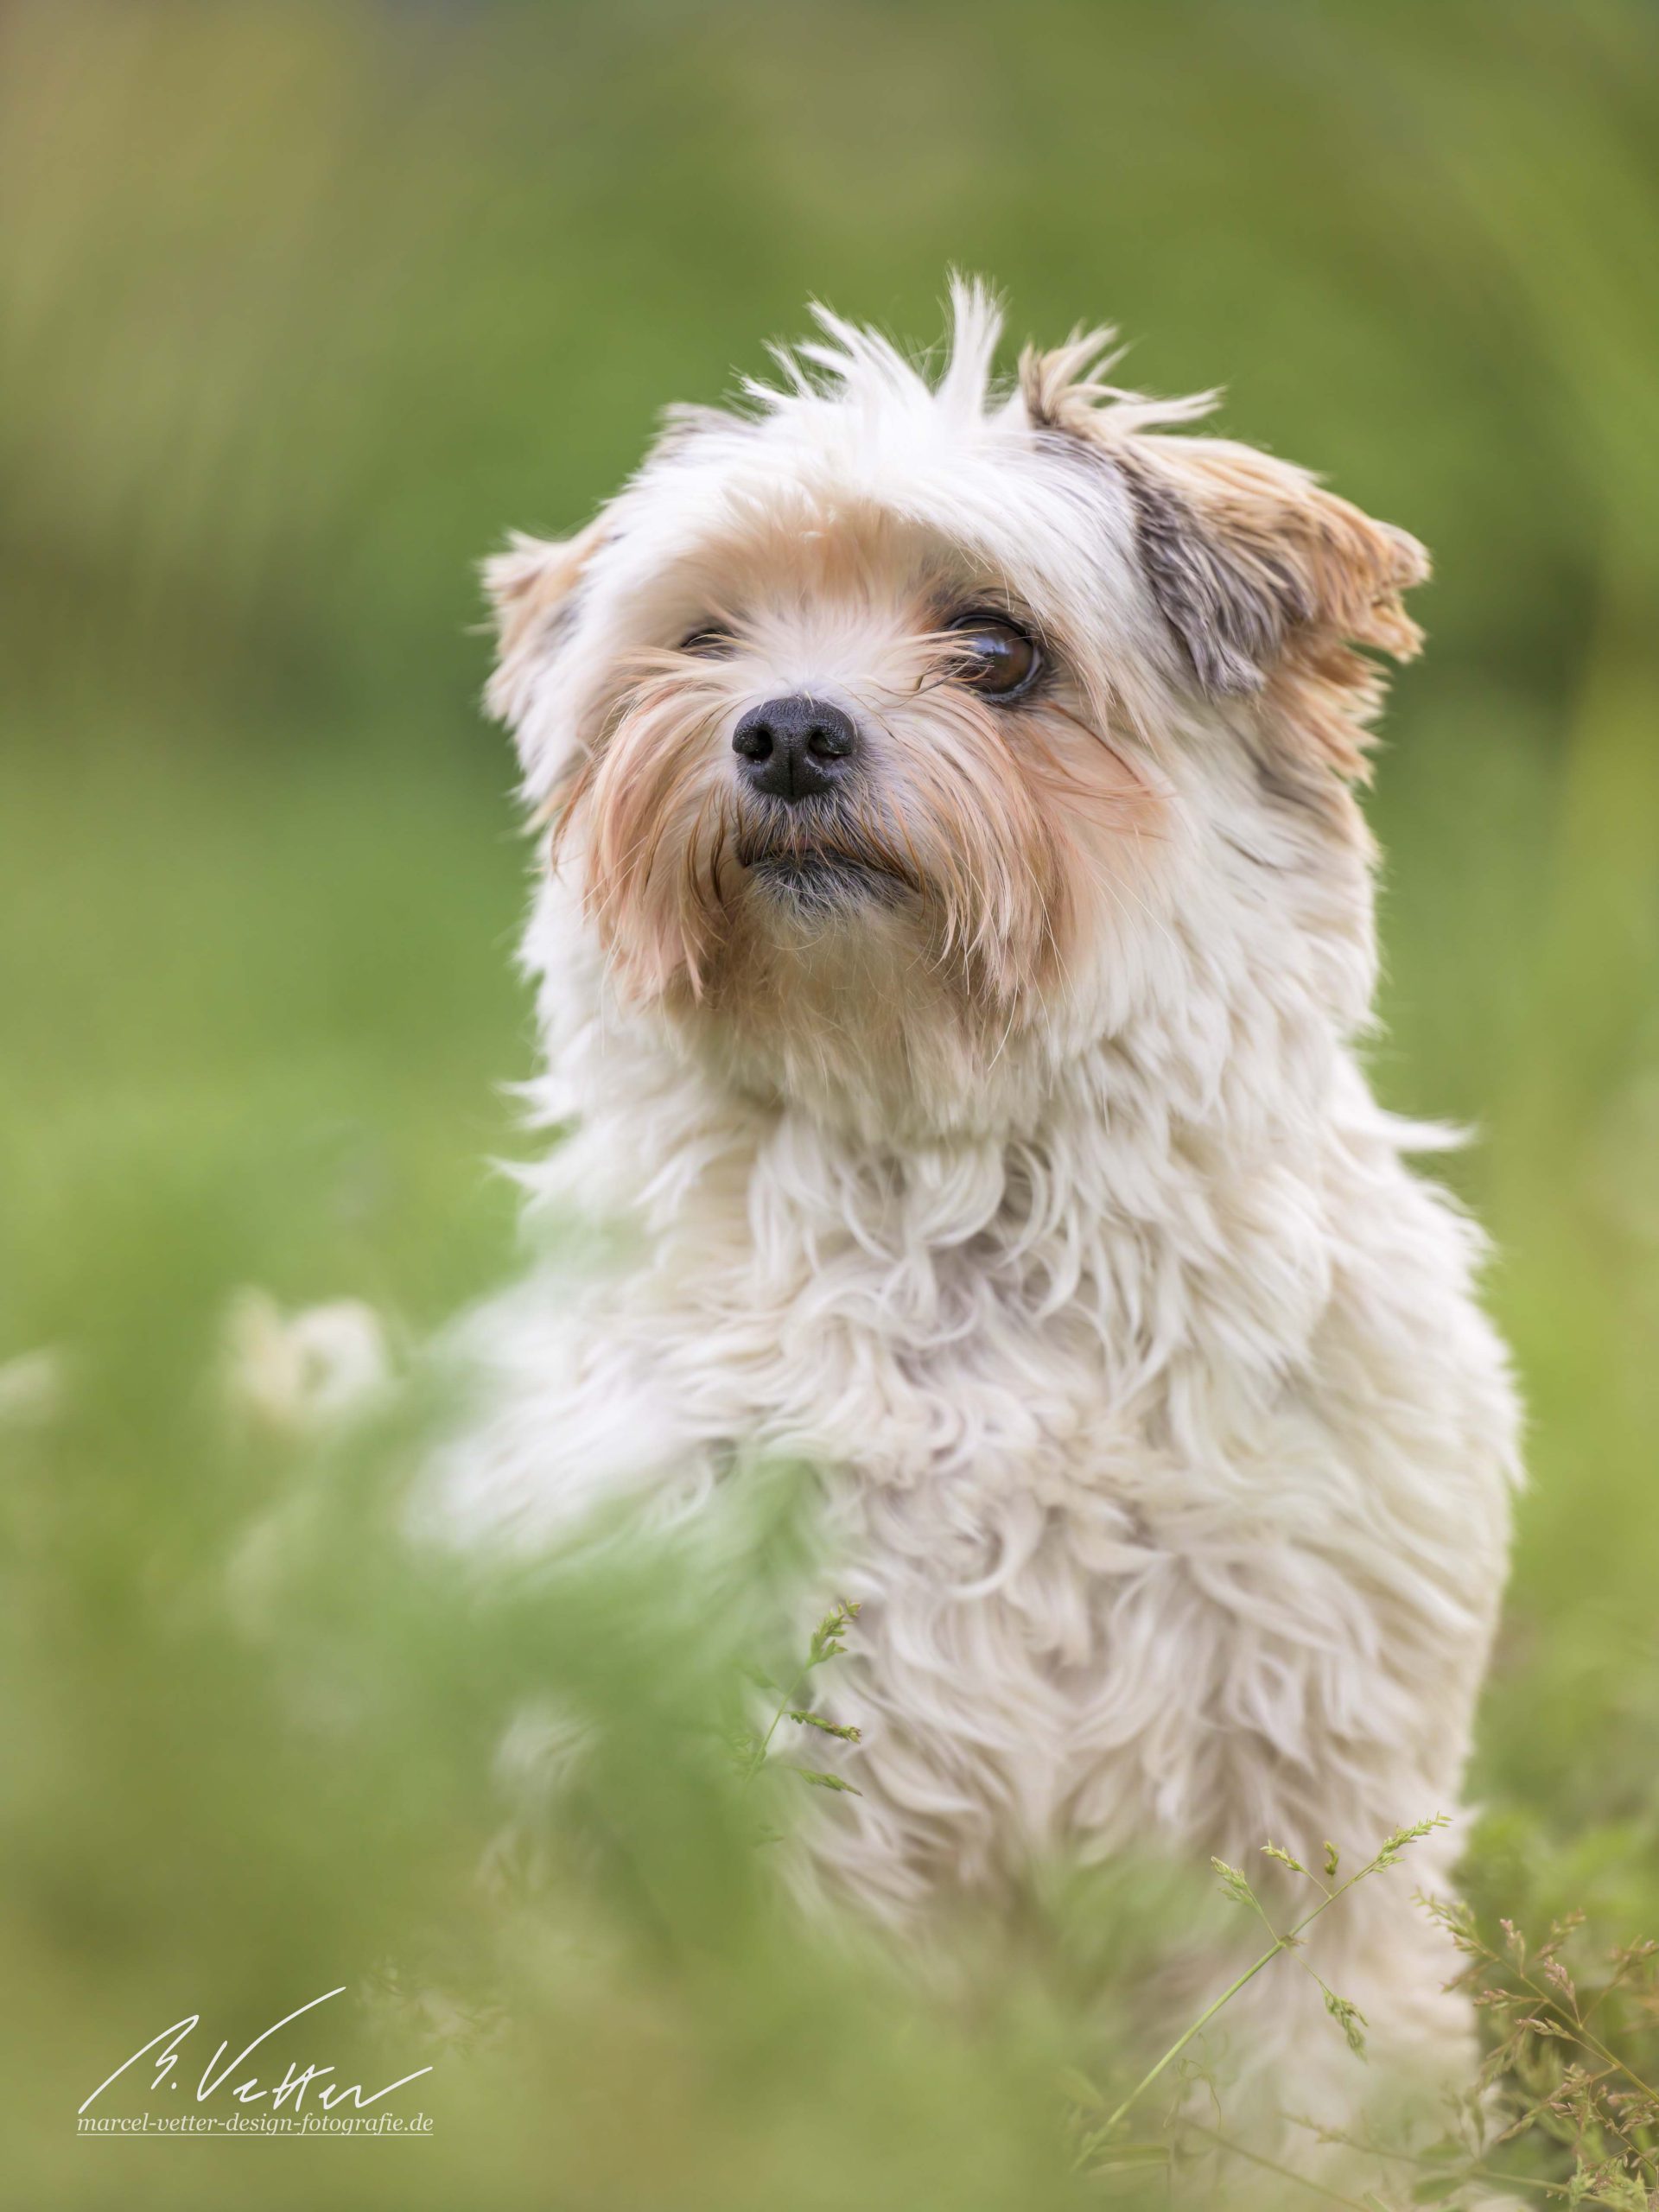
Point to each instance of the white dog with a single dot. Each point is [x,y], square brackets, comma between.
[958,930]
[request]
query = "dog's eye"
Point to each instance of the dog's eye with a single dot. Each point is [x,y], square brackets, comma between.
[994,656]
[707,637]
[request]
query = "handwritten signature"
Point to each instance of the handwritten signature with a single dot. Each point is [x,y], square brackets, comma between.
[162,2051]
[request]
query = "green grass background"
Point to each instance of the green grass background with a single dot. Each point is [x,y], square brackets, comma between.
[302,307]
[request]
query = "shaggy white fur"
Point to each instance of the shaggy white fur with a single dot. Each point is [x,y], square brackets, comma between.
[996,1139]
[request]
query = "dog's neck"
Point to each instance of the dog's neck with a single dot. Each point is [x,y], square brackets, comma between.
[1183,1259]
[1193,1146]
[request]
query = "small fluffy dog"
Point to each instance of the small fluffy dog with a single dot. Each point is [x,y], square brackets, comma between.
[958,926]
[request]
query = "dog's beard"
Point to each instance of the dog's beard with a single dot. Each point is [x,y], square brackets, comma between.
[824,857]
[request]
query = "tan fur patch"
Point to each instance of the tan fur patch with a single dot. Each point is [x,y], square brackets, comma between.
[526,586]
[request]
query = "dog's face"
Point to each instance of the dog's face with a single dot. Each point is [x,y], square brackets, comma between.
[895,732]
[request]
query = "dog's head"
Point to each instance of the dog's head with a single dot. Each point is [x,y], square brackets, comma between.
[898,729]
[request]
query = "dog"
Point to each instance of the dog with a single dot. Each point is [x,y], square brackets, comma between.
[956,940]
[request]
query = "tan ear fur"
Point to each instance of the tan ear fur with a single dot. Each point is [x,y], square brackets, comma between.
[528,587]
[1269,581]
[1266,581]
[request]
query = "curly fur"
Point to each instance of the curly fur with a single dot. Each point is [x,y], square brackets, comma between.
[1027,1180]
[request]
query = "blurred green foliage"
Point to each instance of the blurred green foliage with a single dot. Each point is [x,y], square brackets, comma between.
[303,306]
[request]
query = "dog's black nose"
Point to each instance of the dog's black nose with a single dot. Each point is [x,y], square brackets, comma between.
[793,748]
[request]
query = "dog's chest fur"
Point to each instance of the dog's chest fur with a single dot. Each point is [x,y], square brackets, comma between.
[1158,1464]
[1163,1439]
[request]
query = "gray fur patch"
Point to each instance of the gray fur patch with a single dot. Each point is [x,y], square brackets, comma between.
[554,627]
[1229,625]
[1283,783]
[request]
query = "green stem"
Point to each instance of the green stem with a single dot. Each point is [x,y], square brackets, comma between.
[1280,1943]
[1284,2173]
[1579,2034]
[1201,2023]
[758,1759]
[1465,2172]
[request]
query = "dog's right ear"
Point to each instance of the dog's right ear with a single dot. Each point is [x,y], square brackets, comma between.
[532,588]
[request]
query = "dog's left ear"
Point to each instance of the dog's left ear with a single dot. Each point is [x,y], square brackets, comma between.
[531,589]
[1252,564]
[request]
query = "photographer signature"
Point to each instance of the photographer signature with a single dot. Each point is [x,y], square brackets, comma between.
[162,2051]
